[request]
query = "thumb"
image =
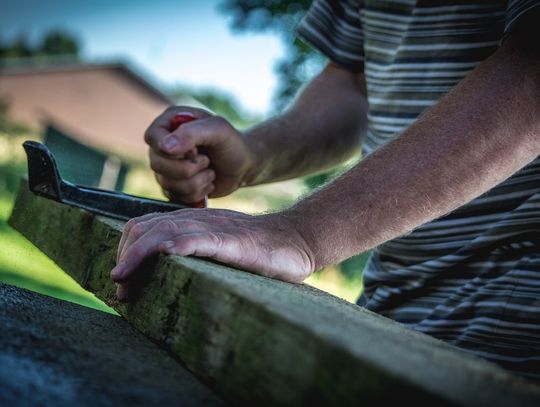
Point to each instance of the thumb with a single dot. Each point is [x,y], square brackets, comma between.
[212,132]
[160,128]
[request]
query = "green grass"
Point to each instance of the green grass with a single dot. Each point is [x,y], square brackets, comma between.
[23,265]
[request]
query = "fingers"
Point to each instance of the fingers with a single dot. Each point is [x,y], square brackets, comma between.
[137,227]
[188,190]
[160,128]
[191,199]
[210,132]
[144,239]
[128,231]
[226,247]
[228,153]
[137,249]
[176,168]
[203,244]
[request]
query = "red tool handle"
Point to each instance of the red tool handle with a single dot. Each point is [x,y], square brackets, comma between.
[176,122]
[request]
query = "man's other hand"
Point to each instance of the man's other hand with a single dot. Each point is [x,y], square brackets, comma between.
[269,245]
[206,156]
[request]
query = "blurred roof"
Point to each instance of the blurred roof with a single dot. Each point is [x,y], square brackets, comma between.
[108,106]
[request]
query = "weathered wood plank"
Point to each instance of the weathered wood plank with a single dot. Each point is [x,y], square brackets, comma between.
[56,353]
[259,340]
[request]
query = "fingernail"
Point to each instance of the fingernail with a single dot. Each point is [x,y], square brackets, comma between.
[170,142]
[118,271]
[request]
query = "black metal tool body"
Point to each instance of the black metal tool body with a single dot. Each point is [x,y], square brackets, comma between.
[45,180]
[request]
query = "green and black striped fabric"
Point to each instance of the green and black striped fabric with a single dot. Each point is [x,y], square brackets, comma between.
[471,278]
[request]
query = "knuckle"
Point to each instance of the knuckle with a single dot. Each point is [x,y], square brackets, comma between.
[200,182]
[138,229]
[129,226]
[216,239]
[148,135]
[166,225]
[221,122]
[204,161]
[183,169]
[185,135]
[189,171]
[200,113]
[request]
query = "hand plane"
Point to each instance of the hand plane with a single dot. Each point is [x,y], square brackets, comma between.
[44,179]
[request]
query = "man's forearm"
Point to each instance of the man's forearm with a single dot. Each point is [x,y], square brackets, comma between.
[481,133]
[322,129]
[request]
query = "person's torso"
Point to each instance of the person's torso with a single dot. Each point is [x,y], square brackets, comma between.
[472,277]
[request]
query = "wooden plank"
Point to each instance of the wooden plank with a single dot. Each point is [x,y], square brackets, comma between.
[260,340]
[56,353]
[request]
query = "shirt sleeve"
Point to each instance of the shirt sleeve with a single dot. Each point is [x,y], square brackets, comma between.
[515,10]
[334,28]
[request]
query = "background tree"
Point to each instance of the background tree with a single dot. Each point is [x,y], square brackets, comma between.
[281,17]
[59,43]
[55,43]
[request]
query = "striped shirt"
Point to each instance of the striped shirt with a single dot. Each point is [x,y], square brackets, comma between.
[471,278]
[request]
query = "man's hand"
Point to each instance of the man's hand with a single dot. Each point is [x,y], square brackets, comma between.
[186,173]
[269,245]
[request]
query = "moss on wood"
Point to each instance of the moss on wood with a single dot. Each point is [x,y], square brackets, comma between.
[260,340]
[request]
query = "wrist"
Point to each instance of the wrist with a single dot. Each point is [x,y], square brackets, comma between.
[300,233]
[296,260]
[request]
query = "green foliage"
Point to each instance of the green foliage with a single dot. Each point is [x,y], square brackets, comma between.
[353,267]
[54,44]
[317,180]
[11,169]
[10,173]
[58,43]
[18,49]
[281,17]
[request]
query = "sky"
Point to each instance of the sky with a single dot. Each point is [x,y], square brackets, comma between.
[185,42]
